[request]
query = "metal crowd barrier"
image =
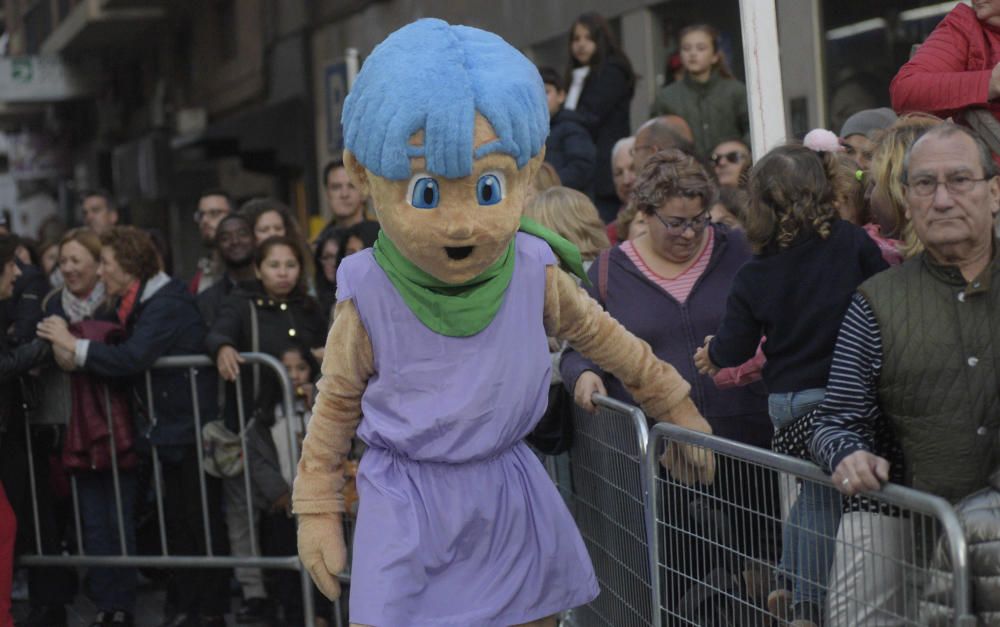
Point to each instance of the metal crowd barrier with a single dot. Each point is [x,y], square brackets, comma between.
[603,484]
[899,558]
[165,559]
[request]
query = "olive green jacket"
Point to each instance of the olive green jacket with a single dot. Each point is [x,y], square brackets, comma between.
[716,111]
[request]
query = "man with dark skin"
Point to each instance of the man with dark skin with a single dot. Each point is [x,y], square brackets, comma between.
[235,243]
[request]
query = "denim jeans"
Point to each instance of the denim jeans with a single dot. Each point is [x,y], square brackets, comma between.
[110,588]
[787,407]
[809,533]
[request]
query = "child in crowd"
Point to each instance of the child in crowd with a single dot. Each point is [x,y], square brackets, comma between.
[600,84]
[568,148]
[731,209]
[711,101]
[271,463]
[795,290]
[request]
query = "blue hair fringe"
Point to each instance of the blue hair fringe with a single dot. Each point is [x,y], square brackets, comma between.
[435,77]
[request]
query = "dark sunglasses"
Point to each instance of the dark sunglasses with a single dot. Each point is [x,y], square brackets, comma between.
[733,156]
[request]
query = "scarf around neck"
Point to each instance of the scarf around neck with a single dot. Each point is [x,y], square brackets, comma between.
[464,309]
[78,308]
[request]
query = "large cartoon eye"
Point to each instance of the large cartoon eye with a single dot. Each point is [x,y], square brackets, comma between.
[424,192]
[489,188]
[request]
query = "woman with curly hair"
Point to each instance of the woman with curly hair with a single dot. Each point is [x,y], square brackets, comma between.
[795,290]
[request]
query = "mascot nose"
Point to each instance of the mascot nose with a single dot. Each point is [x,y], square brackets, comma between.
[459,228]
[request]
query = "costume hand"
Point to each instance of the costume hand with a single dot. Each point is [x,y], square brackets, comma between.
[55,330]
[689,463]
[64,359]
[587,385]
[322,550]
[860,471]
[228,361]
[994,90]
[702,361]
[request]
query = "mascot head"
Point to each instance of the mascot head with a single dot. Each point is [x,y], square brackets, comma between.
[445,127]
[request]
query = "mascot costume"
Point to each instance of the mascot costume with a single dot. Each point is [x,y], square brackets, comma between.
[439,342]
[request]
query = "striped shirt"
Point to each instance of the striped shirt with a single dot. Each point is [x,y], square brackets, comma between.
[681,285]
[849,419]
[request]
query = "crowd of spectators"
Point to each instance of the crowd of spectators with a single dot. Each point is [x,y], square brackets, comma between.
[835,299]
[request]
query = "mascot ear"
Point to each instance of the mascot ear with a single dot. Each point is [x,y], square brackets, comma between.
[531,168]
[357,173]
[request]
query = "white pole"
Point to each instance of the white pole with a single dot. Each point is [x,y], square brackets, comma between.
[766,100]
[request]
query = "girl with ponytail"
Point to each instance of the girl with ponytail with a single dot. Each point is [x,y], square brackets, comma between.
[795,290]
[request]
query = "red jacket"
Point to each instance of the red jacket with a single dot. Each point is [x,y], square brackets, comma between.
[88,445]
[951,70]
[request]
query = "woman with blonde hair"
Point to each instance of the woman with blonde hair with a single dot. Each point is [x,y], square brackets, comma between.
[571,214]
[888,202]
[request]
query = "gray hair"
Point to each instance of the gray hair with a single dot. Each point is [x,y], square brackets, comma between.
[620,144]
[948,129]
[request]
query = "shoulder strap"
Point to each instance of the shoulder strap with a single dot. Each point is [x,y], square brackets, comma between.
[602,274]
[254,345]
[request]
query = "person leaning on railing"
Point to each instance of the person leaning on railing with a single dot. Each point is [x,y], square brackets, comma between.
[263,316]
[14,362]
[919,347]
[160,319]
[86,452]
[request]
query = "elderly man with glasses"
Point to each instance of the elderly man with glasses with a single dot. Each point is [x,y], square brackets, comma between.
[915,367]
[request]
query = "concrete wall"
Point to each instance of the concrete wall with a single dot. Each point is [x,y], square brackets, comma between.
[223,84]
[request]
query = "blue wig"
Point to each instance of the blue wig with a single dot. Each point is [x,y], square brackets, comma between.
[435,77]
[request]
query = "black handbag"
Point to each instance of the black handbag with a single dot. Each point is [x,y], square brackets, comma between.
[554,432]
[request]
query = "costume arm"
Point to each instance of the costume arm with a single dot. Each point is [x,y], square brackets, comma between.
[347,366]
[572,315]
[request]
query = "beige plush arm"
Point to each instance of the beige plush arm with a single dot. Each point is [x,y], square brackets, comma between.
[571,314]
[347,365]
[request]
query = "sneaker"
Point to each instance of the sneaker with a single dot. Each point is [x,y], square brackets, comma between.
[255,610]
[45,616]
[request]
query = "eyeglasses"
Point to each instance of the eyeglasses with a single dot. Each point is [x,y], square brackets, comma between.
[956,184]
[733,156]
[677,226]
[214,214]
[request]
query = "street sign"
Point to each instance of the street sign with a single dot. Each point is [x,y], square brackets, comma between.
[42,79]
[335,83]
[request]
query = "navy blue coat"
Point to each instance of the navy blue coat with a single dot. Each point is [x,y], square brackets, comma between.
[571,151]
[167,323]
[675,330]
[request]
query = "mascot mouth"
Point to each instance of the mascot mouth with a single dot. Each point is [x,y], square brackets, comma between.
[458,252]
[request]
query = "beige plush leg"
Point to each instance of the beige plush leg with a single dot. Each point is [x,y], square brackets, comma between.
[545,622]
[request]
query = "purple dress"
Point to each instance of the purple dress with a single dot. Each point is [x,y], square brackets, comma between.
[459,524]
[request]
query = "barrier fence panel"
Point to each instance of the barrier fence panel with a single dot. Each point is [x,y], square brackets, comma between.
[726,556]
[206,493]
[603,486]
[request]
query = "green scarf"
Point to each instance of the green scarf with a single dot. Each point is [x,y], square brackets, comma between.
[461,310]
